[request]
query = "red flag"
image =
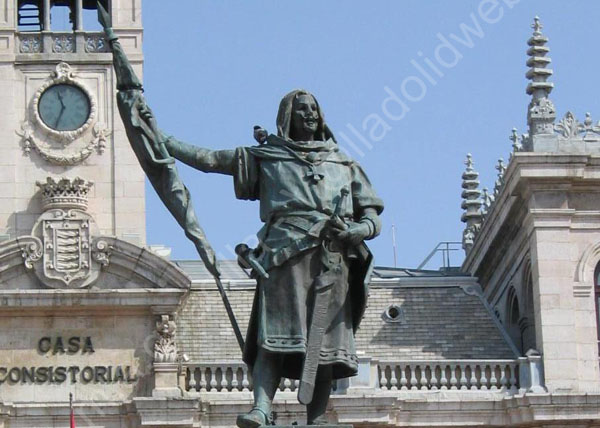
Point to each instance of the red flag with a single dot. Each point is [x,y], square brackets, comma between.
[72,413]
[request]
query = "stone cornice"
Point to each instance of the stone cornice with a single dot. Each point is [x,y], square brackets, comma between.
[20,301]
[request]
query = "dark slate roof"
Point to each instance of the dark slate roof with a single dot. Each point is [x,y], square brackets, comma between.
[230,270]
[439,321]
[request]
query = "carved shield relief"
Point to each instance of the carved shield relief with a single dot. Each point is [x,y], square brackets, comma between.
[67,260]
[67,254]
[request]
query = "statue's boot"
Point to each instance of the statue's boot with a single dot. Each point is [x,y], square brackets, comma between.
[266,377]
[253,419]
[315,410]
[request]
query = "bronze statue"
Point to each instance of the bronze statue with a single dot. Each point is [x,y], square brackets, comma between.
[312,266]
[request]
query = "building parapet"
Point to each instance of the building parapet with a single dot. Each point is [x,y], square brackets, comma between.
[508,377]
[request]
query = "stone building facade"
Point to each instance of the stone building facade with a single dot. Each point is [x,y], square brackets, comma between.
[510,339]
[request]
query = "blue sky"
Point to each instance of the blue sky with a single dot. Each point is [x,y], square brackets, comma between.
[408,87]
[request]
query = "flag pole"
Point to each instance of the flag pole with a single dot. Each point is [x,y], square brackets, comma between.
[72,413]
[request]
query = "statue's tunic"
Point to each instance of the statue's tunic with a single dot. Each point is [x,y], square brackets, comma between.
[299,185]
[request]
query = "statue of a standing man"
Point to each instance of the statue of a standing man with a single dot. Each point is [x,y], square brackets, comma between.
[298,176]
[309,303]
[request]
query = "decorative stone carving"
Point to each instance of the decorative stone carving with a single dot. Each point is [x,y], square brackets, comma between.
[517,146]
[499,184]
[95,43]
[486,201]
[570,127]
[30,43]
[63,43]
[61,254]
[63,156]
[32,252]
[165,350]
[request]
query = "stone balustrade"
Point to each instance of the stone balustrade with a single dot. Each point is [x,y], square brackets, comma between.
[225,377]
[449,375]
[504,376]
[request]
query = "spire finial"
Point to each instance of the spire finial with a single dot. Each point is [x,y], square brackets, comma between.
[537,26]
[541,112]
[469,162]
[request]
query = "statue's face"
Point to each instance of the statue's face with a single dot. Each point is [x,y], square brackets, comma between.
[305,118]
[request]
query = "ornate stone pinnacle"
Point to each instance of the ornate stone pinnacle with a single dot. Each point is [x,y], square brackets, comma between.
[486,200]
[514,137]
[501,167]
[541,112]
[65,193]
[471,203]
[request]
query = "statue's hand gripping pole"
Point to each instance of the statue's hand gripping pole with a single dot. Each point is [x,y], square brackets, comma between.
[147,143]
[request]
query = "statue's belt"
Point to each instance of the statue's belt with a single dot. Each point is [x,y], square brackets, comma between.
[313,238]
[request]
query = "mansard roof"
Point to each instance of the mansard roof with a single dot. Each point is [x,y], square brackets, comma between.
[440,316]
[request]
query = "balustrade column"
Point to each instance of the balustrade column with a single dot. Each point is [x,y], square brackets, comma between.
[493,379]
[393,379]
[443,378]
[245,382]
[234,378]
[463,377]
[403,380]
[473,378]
[413,377]
[202,379]
[423,380]
[434,380]
[453,380]
[484,379]
[382,378]
[192,381]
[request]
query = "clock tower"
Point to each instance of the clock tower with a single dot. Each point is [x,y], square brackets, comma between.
[58,116]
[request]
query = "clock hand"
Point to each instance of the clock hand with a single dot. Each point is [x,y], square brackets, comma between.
[62,110]
[60,98]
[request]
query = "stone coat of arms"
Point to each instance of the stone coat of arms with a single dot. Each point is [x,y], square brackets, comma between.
[65,257]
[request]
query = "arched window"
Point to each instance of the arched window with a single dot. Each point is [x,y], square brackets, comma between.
[527,321]
[512,317]
[30,15]
[597,300]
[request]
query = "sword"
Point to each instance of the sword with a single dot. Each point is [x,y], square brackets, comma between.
[323,285]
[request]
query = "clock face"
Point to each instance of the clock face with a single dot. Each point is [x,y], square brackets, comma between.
[64,107]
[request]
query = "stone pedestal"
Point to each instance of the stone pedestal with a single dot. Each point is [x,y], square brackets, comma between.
[165,380]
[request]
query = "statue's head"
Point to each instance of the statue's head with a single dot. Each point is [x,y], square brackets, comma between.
[300,118]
